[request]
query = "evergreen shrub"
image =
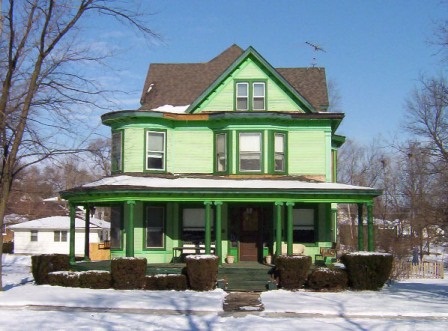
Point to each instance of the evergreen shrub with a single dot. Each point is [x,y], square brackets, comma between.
[95,279]
[367,270]
[202,272]
[292,270]
[328,279]
[42,265]
[128,273]
[63,278]
[8,248]
[166,282]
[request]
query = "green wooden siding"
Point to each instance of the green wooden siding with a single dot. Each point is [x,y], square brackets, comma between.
[222,99]
[307,153]
[133,151]
[190,151]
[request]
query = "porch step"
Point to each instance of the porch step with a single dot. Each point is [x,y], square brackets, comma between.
[245,277]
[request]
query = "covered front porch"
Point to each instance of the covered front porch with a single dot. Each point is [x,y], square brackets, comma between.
[158,218]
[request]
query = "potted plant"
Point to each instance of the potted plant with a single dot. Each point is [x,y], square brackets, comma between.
[230,259]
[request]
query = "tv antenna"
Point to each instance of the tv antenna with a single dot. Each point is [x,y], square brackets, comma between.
[316,49]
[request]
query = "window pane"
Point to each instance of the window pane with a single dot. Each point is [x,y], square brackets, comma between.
[250,162]
[258,104]
[241,104]
[279,143]
[33,235]
[221,157]
[258,89]
[156,141]
[56,236]
[250,142]
[155,161]
[64,236]
[242,89]
[116,153]
[279,162]
[155,223]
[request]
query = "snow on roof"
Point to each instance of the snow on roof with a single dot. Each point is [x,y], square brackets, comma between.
[172,109]
[188,182]
[57,222]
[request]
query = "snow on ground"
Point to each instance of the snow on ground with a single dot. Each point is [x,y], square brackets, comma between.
[406,305]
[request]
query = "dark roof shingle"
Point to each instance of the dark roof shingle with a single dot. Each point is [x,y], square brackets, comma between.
[179,84]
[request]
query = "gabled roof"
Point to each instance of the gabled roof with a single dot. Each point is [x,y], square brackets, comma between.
[59,223]
[182,84]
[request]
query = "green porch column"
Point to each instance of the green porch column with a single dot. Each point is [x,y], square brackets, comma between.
[289,228]
[370,229]
[278,228]
[208,227]
[71,253]
[360,228]
[218,231]
[87,235]
[130,230]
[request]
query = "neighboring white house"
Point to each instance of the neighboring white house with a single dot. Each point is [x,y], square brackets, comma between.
[52,235]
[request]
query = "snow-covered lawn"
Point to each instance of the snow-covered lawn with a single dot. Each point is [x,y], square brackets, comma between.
[407,305]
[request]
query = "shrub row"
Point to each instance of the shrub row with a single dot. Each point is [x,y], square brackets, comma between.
[363,271]
[125,274]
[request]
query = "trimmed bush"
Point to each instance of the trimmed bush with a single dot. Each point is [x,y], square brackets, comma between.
[166,282]
[326,279]
[8,248]
[95,279]
[202,272]
[42,265]
[64,278]
[292,270]
[367,270]
[128,273]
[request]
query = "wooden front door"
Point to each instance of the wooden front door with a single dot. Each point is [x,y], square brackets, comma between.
[249,234]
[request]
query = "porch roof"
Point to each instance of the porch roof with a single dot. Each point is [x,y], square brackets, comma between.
[214,186]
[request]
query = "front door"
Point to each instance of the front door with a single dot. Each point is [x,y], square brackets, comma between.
[249,234]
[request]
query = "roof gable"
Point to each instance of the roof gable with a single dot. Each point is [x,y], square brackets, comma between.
[252,65]
[182,84]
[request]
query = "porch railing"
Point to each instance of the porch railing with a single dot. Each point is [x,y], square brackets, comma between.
[425,269]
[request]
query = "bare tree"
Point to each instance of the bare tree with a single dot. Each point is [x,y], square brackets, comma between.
[42,80]
[99,150]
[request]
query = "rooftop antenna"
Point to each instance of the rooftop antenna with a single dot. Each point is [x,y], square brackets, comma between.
[316,48]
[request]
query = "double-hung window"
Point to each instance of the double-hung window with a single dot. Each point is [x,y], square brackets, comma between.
[117,151]
[250,151]
[250,95]
[155,227]
[221,152]
[258,96]
[304,229]
[60,236]
[155,150]
[279,152]
[33,235]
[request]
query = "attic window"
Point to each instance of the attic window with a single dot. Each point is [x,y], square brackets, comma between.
[250,95]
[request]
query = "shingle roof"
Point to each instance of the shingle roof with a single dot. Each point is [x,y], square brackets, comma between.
[179,84]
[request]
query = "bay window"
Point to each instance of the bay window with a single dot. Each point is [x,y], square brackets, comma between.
[250,151]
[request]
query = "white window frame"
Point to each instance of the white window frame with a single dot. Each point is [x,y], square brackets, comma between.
[34,235]
[156,153]
[263,96]
[242,97]
[248,152]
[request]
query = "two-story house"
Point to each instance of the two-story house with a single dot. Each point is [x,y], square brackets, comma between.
[232,156]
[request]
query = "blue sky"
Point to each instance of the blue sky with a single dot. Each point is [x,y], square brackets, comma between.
[375,51]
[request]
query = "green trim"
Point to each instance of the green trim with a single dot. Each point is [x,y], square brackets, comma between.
[145,223]
[165,157]
[337,140]
[264,65]
[262,152]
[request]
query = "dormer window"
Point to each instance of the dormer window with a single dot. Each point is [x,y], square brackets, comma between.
[250,95]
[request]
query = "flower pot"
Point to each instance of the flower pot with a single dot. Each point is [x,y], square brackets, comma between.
[268,259]
[230,259]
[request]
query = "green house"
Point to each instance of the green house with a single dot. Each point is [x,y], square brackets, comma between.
[230,157]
